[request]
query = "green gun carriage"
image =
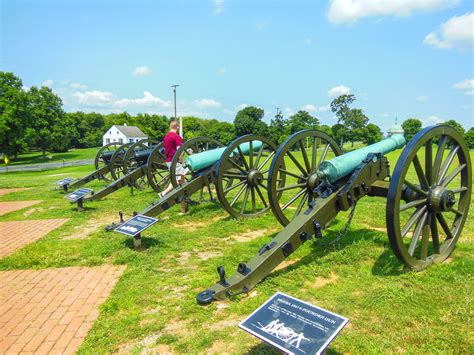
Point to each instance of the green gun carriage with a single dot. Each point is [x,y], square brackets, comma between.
[238,172]
[427,195]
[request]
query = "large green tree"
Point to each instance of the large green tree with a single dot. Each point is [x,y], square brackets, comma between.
[302,120]
[14,118]
[154,126]
[371,134]
[469,138]
[411,126]
[49,129]
[354,120]
[279,128]
[249,120]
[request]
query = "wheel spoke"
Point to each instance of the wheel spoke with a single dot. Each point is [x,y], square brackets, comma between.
[291,174]
[259,192]
[412,220]
[234,176]
[252,192]
[244,202]
[238,195]
[419,172]
[266,160]
[232,187]
[259,154]
[425,237]
[439,157]
[236,165]
[456,211]
[314,154]
[242,156]
[461,189]
[293,199]
[305,156]
[451,176]
[429,161]
[323,156]
[416,234]
[250,154]
[411,204]
[301,204]
[296,162]
[415,188]
[444,225]
[291,187]
[447,163]
[434,233]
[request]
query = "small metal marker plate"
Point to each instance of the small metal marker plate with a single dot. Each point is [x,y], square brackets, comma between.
[135,225]
[293,326]
[78,194]
[64,181]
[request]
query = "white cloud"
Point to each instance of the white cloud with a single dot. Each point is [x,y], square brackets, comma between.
[457,32]
[384,115]
[324,108]
[228,112]
[288,111]
[432,120]
[466,85]
[141,71]
[338,91]
[218,7]
[106,98]
[207,103]
[47,83]
[222,71]
[241,107]
[309,108]
[78,86]
[350,11]
[422,98]
[25,88]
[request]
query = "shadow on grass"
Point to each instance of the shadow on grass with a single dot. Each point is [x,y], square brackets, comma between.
[147,243]
[263,348]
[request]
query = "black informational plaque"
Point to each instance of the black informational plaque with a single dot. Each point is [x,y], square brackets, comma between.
[78,194]
[64,181]
[294,326]
[135,225]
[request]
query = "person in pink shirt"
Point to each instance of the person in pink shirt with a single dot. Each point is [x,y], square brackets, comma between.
[171,143]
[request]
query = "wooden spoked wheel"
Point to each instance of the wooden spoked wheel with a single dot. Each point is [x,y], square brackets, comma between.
[137,156]
[157,172]
[103,158]
[116,162]
[293,172]
[242,176]
[190,147]
[428,197]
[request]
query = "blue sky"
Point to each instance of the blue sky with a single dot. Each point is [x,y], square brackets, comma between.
[401,58]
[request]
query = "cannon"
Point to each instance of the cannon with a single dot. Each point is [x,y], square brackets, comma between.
[427,195]
[141,157]
[239,173]
[108,164]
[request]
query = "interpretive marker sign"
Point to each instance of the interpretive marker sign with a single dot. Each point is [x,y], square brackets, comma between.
[64,181]
[136,225]
[78,194]
[294,326]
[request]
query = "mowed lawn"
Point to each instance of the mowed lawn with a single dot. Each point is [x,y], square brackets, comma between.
[153,305]
[37,157]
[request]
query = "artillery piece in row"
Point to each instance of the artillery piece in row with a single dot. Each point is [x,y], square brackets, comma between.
[428,198]
[239,173]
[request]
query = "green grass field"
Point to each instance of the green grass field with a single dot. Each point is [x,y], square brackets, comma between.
[153,305]
[37,157]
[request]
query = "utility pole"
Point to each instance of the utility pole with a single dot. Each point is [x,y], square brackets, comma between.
[175,116]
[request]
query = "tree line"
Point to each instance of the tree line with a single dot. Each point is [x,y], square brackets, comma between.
[34,119]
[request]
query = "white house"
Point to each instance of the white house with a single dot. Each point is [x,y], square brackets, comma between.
[123,134]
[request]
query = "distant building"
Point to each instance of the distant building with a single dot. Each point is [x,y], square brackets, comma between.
[123,134]
[395,129]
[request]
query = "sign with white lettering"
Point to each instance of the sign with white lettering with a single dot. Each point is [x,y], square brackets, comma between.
[78,194]
[64,181]
[135,225]
[294,326]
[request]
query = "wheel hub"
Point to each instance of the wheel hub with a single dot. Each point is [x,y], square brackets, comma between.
[441,199]
[254,177]
[312,181]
